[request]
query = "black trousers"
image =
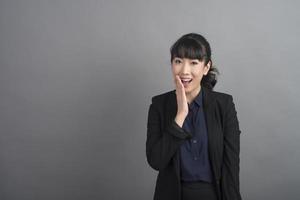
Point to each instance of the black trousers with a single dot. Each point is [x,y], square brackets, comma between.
[198,190]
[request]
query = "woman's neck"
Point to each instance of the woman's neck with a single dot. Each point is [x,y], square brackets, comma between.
[192,95]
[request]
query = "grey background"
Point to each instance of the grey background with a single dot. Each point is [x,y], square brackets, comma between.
[77,79]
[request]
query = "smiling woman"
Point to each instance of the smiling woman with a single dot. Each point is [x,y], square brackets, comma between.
[190,72]
[196,49]
[193,135]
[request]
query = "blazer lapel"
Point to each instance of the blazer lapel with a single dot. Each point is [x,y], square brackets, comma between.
[209,112]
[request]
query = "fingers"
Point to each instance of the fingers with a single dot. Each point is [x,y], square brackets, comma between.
[180,91]
[178,82]
[181,96]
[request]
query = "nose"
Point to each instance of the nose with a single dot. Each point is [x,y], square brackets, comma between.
[185,68]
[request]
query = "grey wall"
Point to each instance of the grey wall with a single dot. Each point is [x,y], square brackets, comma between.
[77,77]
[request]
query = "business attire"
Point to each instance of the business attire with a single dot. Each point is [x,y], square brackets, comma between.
[195,169]
[201,159]
[194,159]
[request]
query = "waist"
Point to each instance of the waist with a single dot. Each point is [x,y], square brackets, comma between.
[196,184]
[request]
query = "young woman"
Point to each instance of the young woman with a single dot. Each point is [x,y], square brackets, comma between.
[193,135]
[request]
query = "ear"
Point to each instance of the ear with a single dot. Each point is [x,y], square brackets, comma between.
[207,67]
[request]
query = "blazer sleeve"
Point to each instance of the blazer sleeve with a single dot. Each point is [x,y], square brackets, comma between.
[161,145]
[230,167]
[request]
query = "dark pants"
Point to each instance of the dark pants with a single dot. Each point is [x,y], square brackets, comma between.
[199,190]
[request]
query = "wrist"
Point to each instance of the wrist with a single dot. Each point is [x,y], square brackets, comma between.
[179,119]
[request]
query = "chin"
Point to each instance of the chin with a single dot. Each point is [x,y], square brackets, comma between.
[188,90]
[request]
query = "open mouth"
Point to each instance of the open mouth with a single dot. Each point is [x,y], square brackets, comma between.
[186,81]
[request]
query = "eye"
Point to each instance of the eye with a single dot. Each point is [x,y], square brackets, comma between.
[177,61]
[194,63]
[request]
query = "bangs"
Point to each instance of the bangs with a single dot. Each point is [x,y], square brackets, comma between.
[188,48]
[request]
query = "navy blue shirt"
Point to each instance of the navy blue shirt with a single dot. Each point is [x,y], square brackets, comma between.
[194,158]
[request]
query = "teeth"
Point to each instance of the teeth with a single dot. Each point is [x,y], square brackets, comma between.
[186,80]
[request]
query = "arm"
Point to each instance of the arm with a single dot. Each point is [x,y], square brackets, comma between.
[161,145]
[230,168]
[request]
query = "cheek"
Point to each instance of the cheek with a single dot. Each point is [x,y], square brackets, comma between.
[197,74]
[175,69]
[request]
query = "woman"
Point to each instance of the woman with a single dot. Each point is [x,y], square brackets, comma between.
[193,135]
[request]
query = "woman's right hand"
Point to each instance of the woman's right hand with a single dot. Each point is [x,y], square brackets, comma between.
[182,105]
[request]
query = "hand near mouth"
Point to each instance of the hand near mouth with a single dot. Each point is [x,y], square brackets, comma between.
[182,105]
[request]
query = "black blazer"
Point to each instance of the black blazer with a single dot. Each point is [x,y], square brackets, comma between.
[164,137]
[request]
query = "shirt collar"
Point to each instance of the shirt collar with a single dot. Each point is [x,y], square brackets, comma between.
[198,100]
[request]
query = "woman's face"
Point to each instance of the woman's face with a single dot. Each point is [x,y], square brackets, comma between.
[190,72]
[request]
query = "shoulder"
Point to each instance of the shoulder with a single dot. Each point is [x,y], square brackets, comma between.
[162,97]
[224,101]
[165,100]
[221,96]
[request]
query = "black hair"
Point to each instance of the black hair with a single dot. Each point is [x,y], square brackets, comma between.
[195,46]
